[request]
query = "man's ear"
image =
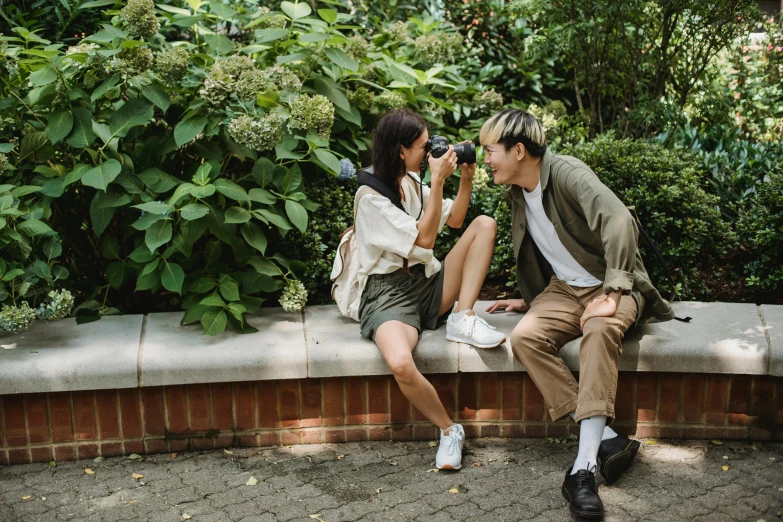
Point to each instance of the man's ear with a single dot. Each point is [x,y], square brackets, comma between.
[520,151]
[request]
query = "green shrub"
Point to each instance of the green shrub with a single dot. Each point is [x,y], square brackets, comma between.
[761,225]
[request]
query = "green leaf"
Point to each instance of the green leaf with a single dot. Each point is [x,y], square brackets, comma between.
[292,179]
[6,202]
[237,215]
[262,266]
[146,221]
[214,321]
[313,37]
[52,248]
[221,10]
[157,96]
[181,191]
[151,266]
[44,76]
[97,3]
[296,11]
[229,290]
[110,248]
[188,129]
[82,134]
[341,59]
[158,234]
[134,112]
[155,207]
[275,219]
[100,216]
[201,285]
[237,310]
[297,214]
[59,125]
[262,172]
[231,190]
[254,236]
[271,34]
[328,15]
[331,90]
[141,255]
[107,84]
[172,278]
[262,196]
[99,177]
[157,180]
[212,300]
[148,282]
[328,159]
[193,211]
[60,272]
[34,227]
[115,274]
[12,274]
[35,148]
[202,192]
[201,177]
[41,269]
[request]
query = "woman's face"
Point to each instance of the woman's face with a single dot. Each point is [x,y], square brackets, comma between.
[415,154]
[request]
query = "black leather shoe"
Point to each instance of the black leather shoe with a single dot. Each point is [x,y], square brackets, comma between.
[615,455]
[581,492]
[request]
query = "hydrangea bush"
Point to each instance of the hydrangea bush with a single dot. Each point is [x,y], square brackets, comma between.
[160,163]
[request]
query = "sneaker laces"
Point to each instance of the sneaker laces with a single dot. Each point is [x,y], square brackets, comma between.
[477,323]
[451,444]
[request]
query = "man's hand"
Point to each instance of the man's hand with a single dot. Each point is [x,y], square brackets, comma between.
[602,306]
[510,305]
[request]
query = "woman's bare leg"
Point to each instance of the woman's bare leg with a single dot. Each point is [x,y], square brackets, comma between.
[467,264]
[396,340]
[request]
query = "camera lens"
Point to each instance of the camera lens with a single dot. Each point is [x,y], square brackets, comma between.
[466,153]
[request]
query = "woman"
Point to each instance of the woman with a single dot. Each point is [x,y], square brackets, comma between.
[403,287]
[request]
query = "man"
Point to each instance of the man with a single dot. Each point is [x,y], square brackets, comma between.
[579,269]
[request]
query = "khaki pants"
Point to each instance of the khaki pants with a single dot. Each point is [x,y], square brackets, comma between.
[552,321]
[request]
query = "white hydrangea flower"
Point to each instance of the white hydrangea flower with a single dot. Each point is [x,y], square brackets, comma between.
[16,319]
[59,306]
[294,296]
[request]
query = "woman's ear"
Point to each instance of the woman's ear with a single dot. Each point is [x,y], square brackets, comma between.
[402,153]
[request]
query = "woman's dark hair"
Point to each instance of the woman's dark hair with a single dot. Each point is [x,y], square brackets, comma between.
[398,127]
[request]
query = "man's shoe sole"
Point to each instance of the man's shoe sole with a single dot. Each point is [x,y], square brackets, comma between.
[616,465]
[579,512]
[466,341]
[449,467]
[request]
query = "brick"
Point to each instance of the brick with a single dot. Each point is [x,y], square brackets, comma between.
[669,397]
[64,453]
[444,386]
[222,414]
[289,404]
[535,409]
[693,398]
[490,430]
[288,437]
[84,416]
[624,397]
[779,402]
[378,399]
[756,433]
[737,433]
[379,434]
[176,410]
[356,400]
[558,429]
[401,433]
[514,431]
[399,406]
[225,441]
[356,435]
[713,432]
[35,406]
[425,432]
[512,396]
[472,431]
[762,403]
[41,454]
[489,397]
[335,436]
[717,397]
[245,405]
[3,457]
[177,445]
[646,396]
[311,402]
[535,430]
[467,396]
[111,449]
[739,399]
[19,456]
[60,415]
[13,413]
[247,441]
[87,451]
[200,414]
[154,412]
[670,432]
[312,436]
[693,432]
[156,446]
[266,400]
[108,415]
[201,443]
[647,431]
[269,439]
[333,402]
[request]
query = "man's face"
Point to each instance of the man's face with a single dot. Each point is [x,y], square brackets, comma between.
[503,164]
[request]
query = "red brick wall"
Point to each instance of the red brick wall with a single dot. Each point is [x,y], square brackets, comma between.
[77,425]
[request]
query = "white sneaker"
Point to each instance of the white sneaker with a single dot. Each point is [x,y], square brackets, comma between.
[450,451]
[467,327]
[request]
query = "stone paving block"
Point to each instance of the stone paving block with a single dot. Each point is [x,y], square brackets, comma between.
[174,354]
[721,338]
[773,317]
[335,347]
[63,356]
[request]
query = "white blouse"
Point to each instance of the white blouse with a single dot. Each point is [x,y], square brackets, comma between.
[385,235]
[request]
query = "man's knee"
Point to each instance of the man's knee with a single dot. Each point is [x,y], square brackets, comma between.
[604,330]
[526,339]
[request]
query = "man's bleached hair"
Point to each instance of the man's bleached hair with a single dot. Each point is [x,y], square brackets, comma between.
[513,126]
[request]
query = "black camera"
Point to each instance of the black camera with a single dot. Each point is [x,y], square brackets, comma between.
[438,146]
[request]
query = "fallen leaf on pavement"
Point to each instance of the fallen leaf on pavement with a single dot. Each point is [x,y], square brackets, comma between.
[652,442]
[173,455]
[379,490]
[89,471]
[137,476]
[476,465]
[717,442]
[725,457]
[43,498]
[393,463]
[435,470]
[134,456]
[53,464]
[725,468]
[132,501]
[98,459]
[228,452]
[252,481]
[433,444]
[454,490]
[185,516]
[317,516]
[28,497]
[340,457]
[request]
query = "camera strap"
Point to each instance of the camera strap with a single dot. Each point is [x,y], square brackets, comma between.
[366,177]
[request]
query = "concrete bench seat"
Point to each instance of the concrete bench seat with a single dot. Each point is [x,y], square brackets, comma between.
[154,350]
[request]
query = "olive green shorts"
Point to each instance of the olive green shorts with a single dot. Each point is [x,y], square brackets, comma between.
[409,297]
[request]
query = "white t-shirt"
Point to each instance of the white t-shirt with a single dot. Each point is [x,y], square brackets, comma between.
[385,235]
[566,268]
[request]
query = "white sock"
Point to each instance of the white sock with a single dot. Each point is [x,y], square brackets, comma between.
[609,433]
[590,431]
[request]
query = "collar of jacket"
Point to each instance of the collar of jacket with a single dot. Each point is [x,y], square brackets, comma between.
[546,166]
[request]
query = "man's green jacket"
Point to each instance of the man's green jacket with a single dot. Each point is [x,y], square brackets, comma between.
[595,227]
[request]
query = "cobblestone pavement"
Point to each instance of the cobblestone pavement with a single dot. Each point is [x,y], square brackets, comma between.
[502,480]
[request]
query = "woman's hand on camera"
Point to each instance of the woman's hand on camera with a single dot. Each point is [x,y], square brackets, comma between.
[444,166]
[467,171]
